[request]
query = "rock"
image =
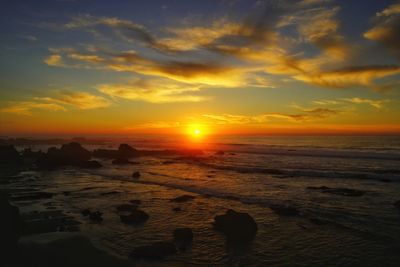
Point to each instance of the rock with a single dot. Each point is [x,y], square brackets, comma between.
[126,207]
[338,191]
[10,227]
[284,210]
[183,198]
[220,153]
[27,153]
[85,212]
[136,175]
[177,209]
[237,226]
[183,237]
[72,154]
[397,204]
[126,151]
[155,251]
[32,196]
[136,202]
[96,216]
[90,164]
[136,216]
[9,156]
[121,161]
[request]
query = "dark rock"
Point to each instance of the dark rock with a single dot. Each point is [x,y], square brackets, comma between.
[96,216]
[136,216]
[237,226]
[136,175]
[126,151]
[136,202]
[397,204]
[126,207]
[177,209]
[90,164]
[183,198]
[155,251]
[183,237]
[338,191]
[85,212]
[72,154]
[318,221]
[9,156]
[27,153]
[220,153]
[284,210]
[10,227]
[122,161]
[66,193]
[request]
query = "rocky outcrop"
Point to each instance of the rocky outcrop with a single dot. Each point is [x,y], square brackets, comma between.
[155,251]
[69,154]
[9,156]
[237,226]
[90,164]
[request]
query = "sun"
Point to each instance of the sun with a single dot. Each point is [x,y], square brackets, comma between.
[196,132]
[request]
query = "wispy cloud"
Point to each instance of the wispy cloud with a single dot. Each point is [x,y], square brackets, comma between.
[27,107]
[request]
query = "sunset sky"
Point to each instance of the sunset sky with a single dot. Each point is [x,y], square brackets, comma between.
[227,67]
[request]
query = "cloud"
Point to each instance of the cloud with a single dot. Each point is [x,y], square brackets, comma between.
[54,60]
[80,100]
[153,91]
[386,29]
[27,107]
[306,115]
[378,104]
[363,76]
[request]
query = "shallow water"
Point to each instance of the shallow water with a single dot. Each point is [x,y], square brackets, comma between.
[254,173]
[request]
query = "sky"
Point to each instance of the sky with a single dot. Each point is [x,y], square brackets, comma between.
[223,66]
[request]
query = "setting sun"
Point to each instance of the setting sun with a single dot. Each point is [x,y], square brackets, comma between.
[196,132]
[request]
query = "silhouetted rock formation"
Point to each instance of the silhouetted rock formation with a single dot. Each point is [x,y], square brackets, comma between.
[69,154]
[155,251]
[183,237]
[9,156]
[339,191]
[27,153]
[10,228]
[284,210]
[136,216]
[183,198]
[126,151]
[237,226]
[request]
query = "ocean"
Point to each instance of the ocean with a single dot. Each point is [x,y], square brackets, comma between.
[333,227]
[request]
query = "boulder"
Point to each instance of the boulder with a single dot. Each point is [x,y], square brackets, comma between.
[397,204]
[155,251]
[176,209]
[136,202]
[137,216]
[183,198]
[9,156]
[135,175]
[284,210]
[183,237]
[237,226]
[105,153]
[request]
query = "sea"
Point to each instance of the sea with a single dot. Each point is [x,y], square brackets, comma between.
[248,174]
